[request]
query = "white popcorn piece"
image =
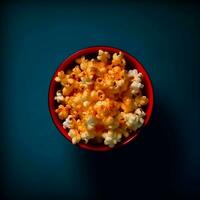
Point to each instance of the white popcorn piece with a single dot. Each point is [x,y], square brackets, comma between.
[140,112]
[111,138]
[136,84]
[136,87]
[74,135]
[134,120]
[59,97]
[103,56]
[69,122]
[86,136]
[137,76]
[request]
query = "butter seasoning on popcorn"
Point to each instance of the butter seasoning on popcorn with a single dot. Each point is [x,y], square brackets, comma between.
[100,100]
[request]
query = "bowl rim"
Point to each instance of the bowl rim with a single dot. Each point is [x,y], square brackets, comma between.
[86,51]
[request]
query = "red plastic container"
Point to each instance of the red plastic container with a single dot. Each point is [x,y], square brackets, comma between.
[131,62]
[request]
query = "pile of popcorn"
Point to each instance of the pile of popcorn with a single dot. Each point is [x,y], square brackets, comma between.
[100,100]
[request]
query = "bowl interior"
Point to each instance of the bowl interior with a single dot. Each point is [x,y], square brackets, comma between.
[92,52]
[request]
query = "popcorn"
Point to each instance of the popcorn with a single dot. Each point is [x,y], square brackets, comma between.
[86,104]
[140,112]
[61,75]
[141,101]
[136,84]
[135,120]
[100,100]
[87,81]
[76,70]
[121,119]
[111,123]
[77,99]
[103,56]
[101,68]
[135,75]
[69,122]
[86,95]
[91,69]
[59,97]
[123,132]
[62,112]
[136,87]
[103,108]
[116,69]
[100,95]
[83,62]
[67,90]
[111,138]
[128,105]
[118,59]
[74,135]
[132,121]
[119,84]
[63,79]
[86,136]
[90,123]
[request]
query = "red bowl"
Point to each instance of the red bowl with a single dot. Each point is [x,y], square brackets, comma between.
[131,62]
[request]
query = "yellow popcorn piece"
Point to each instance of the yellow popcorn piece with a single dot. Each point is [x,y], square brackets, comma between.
[67,90]
[100,95]
[101,68]
[62,112]
[80,60]
[76,70]
[118,59]
[141,101]
[60,76]
[128,105]
[111,123]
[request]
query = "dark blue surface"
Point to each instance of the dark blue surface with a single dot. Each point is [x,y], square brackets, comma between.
[39,163]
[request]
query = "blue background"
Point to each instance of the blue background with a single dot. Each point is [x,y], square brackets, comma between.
[37,162]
